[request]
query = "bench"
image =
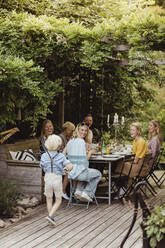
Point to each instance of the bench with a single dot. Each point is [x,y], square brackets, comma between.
[26,174]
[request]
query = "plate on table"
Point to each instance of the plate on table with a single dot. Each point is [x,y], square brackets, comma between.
[111,156]
[94,156]
[119,153]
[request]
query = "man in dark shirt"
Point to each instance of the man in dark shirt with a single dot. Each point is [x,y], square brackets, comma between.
[95,134]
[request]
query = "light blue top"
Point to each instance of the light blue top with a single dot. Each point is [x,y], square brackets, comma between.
[59,162]
[76,153]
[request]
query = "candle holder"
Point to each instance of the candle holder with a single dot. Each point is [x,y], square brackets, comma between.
[116,125]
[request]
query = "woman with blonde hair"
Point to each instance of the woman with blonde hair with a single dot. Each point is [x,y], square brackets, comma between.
[154,140]
[78,154]
[87,137]
[139,149]
[68,128]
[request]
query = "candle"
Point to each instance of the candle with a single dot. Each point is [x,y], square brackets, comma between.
[115,118]
[108,118]
[122,120]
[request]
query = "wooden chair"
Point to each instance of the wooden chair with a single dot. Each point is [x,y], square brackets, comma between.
[119,180]
[141,178]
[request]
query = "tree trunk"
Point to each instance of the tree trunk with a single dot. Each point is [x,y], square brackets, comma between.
[61,110]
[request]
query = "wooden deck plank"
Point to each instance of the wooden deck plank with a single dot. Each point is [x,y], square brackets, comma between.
[128,244]
[34,227]
[59,231]
[39,222]
[110,232]
[73,239]
[135,234]
[138,244]
[78,227]
[42,228]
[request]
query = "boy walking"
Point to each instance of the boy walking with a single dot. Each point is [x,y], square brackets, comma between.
[54,164]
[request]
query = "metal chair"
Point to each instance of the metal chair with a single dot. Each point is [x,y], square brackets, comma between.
[75,201]
[161,179]
[80,162]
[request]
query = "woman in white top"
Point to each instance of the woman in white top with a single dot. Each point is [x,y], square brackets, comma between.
[78,155]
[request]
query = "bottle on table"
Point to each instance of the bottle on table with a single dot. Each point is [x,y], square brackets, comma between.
[103,149]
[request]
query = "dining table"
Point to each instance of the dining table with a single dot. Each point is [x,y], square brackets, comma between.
[99,159]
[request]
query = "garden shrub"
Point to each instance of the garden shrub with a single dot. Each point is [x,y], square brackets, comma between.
[9,193]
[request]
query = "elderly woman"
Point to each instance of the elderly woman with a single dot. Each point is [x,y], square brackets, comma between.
[76,150]
[154,140]
[68,128]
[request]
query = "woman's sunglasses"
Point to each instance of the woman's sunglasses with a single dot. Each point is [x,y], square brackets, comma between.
[83,124]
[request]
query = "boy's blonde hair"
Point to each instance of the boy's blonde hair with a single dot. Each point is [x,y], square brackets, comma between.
[53,142]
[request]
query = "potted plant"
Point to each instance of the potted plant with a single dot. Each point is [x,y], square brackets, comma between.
[155,227]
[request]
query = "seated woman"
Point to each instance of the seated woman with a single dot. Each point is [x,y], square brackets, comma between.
[139,149]
[77,154]
[154,140]
[68,128]
[47,129]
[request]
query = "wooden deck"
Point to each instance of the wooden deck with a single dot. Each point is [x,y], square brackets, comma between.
[78,227]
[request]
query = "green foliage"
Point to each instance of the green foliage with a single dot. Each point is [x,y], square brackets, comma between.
[31,6]
[9,193]
[155,225]
[24,86]
[102,46]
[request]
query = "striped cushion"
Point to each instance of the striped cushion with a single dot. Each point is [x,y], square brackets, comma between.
[23,155]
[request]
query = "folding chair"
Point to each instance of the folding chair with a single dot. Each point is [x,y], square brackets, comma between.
[78,160]
[141,178]
[161,179]
[75,201]
[157,165]
[119,180]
